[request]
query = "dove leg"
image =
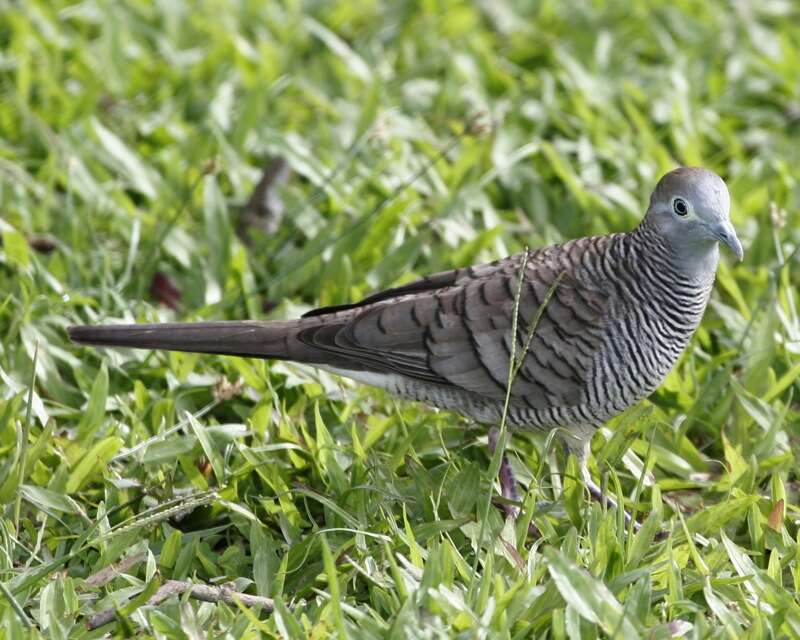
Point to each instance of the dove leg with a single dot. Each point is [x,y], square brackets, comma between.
[508,483]
[509,488]
[581,450]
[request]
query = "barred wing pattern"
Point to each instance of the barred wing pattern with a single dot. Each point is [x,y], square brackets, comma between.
[453,329]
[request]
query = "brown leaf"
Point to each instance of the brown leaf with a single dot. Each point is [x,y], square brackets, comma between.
[43,244]
[268,305]
[203,466]
[265,208]
[775,520]
[164,290]
[514,554]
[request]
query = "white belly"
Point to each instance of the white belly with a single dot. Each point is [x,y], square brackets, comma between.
[391,382]
[444,397]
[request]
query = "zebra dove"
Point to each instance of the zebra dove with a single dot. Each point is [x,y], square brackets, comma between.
[610,314]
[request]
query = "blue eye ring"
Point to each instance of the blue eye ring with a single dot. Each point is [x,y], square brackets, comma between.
[680,207]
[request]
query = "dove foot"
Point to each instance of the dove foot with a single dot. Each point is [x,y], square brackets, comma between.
[509,489]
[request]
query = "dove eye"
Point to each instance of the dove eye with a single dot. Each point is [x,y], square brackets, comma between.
[680,207]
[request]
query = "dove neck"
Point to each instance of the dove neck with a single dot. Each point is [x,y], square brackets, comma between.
[696,259]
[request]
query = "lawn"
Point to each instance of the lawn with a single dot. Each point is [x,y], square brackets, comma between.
[230,159]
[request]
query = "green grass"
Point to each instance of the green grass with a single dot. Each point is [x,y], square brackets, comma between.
[419,137]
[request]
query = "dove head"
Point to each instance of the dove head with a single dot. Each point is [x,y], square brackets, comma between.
[690,209]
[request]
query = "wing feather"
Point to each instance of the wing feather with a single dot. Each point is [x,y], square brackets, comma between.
[454,329]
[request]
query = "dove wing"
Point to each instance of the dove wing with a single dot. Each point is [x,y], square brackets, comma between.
[454,329]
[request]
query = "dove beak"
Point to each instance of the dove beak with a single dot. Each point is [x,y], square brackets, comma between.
[726,234]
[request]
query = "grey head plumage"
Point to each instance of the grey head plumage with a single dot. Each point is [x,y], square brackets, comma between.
[690,209]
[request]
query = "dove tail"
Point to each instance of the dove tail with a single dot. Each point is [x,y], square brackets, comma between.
[276,339]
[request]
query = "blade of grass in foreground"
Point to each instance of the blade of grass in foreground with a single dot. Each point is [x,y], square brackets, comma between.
[589,596]
[22,450]
[513,368]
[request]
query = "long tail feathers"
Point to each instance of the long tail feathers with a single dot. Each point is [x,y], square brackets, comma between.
[255,339]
